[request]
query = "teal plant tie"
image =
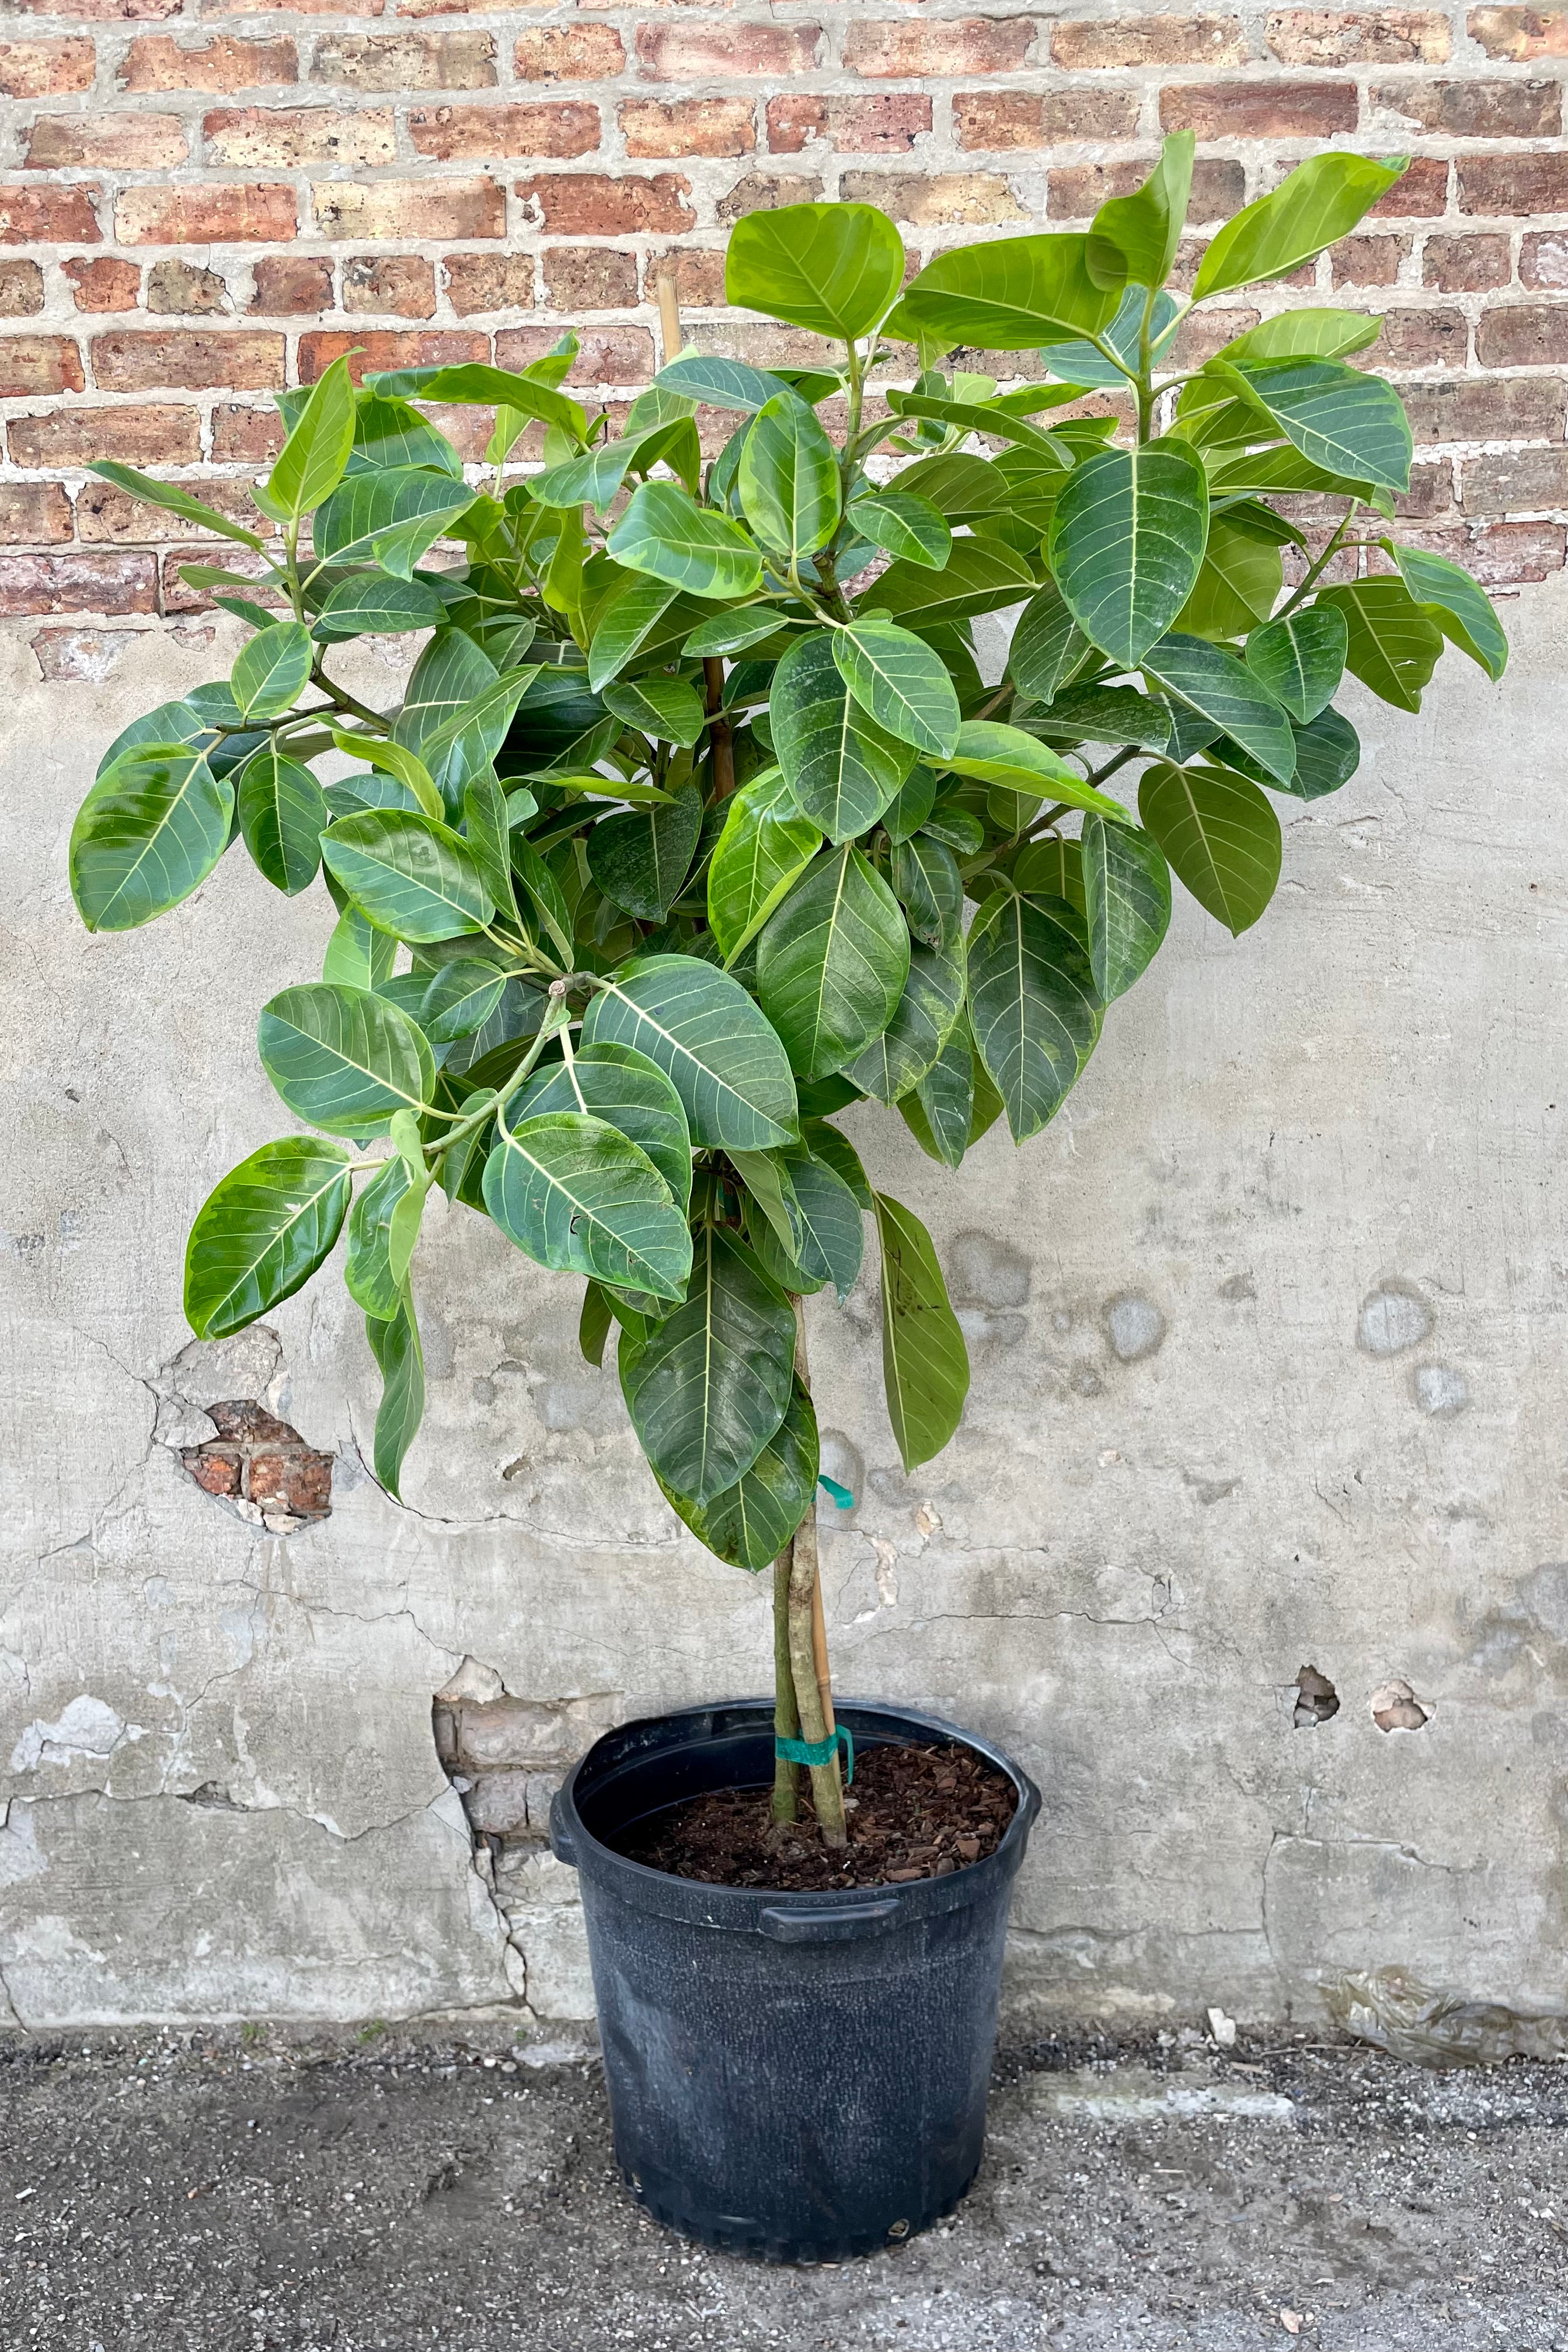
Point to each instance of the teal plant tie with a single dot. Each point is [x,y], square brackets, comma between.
[841,1495]
[819,1751]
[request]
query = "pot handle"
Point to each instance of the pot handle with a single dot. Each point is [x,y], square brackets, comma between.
[562,1845]
[838,1923]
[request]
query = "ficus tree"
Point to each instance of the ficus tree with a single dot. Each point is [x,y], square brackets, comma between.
[696,822]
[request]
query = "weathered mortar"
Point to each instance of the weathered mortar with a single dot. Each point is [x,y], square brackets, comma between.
[1270,1353]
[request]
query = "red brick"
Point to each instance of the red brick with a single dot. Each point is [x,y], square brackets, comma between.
[158,62]
[1465,265]
[1202,333]
[1524,334]
[33,514]
[403,61]
[298,1481]
[103,284]
[569,53]
[79,581]
[103,12]
[34,364]
[116,142]
[245,437]
[1519,33]
[294,7]
[1373,36]
[1219,188]
[245,359]
[590,278]
[1476,110]
[1261,109]
[292,285]
[1421,338]
[179,288]
[1543,257]
[409,209]
[1420,193]
[1510,553]
[256,138]
[882,49]
[464,135]
[488,281]
[765,192]
[71,436]
[46,68]
[1487,408]
[608,354]
[383,348]
[698,277]
[1368,260]
[854,126]
[691,126]
[1519,478]
[402,284]
[47,215]
[1431,492]
[262,212]
[936,199]
[215,1470]
[1150,41]
[606,204]
[998,122]
[702,53]
[21,289]
[1523,184]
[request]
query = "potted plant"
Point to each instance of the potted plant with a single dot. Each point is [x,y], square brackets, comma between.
[697,824]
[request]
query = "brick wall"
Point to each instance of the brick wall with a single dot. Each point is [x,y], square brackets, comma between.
[202,203]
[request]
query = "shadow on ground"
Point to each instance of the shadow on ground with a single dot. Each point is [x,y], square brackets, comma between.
[220,2193]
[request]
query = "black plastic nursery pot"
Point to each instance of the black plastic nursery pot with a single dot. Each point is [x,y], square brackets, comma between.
[800,2076]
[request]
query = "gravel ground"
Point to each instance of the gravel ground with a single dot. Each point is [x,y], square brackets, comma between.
[248,2193]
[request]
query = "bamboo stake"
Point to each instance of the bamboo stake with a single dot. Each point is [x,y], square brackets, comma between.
[669,314]
[808,1646]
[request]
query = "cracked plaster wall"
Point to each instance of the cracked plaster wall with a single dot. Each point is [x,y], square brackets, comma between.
[1268,1340]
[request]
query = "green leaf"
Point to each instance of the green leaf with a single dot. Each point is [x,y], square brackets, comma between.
[730,632]
[1146,226]
[832,1238]
[627,626]
[1224,692]
[475,385]
[630,1094]
[841,768]
[924,1020]
[1015,292]
[832,962]
[547,903]
[903,523]
[1449,597]
[489,827]
[395,517]
[358,955]
[1327,754]
[1220,834]
[788,479]
[721,383]
[594,1324]
[1047,648]
[1127,890]
[577,1194]
[282,815]
[981,575]
[262,1232]
[710,1385]
[395,1346]
[996,754]
[1306,334]
[665,533]
[149,833]
[1105,714]
[368,605]
[389,432]
[393,760]
[711,1039]
[342,1059]
[640,858]
[271,670]
[897,678]
[415,877]
[172,499]
[669,710]
[1238,583]
[752,1522]
[368,1272]
[447,680]
[1052,868]
[764,849]
[930,889]
[1340,420]
[1127,539]
[1312,208]
[460,999]
[833,268]
[910,804]
[767,1180]
[1300,658]
[310,466]
[925,1364]
[1033,1007]
[1393,646]
[939,1111]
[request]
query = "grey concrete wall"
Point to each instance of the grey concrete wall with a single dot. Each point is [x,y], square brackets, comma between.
[1268,1340]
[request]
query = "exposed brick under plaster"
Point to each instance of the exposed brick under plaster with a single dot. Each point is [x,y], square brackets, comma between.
[193,216]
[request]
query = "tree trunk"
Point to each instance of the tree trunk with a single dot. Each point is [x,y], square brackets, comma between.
[787,1714]
[808,1648]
